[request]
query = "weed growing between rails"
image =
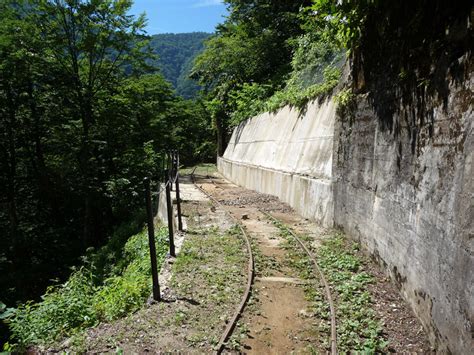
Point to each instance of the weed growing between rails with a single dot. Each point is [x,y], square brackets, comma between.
[358,328]
[195,261]
[88,298]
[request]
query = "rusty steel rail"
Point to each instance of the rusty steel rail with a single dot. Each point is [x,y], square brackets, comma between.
[323,279]
[250,274]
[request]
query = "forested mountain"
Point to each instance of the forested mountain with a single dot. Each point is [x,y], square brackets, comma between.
[176,53]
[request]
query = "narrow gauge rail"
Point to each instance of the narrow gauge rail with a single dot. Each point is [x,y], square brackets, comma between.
[230,327]
[250,274]
[321,275]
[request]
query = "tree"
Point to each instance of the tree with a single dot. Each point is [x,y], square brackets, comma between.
[90,42]
[252,46]
[82,121]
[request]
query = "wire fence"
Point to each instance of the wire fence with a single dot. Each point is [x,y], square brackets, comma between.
[171,177]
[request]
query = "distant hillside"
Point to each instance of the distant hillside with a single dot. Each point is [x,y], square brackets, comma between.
[176,53]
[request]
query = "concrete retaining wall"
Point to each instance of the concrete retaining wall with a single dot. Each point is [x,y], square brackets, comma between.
[410,208]
[288,155]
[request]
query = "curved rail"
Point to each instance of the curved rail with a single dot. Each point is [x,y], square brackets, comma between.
[250,275]
[323,279]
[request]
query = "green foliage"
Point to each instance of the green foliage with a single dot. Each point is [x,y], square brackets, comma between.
[249,101]
[345,101]
[250,67]
[254,99]
[84,300]
[298,97]
[312,56]
[193,134]
[83,119]
[62,310]
[176,53]
[358,328]
[340,21]
[249,49]
[61,142]
[125,293]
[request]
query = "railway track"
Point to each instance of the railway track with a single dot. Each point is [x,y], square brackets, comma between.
[322,277]
[251,274]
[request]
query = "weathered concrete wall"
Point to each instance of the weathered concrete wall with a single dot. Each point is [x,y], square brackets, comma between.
[413,208]
[288,155]
[409,203]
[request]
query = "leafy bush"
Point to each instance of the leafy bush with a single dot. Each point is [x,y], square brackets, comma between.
[345,101]
[83,301]
[62,310]
[315,72]
[249,101]
[297,97]
[122,294]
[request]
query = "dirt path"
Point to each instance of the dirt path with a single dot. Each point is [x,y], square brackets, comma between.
[276,322]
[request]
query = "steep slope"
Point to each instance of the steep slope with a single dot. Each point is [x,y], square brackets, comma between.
[176,52]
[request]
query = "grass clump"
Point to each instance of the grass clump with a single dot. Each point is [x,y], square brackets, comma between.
[205,169]
[87,297]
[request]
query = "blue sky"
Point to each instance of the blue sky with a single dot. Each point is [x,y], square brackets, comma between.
[178,16]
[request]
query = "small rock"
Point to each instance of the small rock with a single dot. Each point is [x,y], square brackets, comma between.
[245,216]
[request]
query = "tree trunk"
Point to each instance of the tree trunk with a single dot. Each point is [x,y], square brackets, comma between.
[221,129]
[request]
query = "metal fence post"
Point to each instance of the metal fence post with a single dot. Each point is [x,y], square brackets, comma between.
[178,203]
[169,207]
[151,240]
[170,169]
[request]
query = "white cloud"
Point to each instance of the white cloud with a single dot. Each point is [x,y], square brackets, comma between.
[206,3]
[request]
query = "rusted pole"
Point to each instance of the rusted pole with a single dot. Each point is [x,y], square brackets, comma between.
[151,240]
[169,207]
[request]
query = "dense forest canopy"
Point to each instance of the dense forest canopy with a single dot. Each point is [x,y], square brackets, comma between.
[79,131]
[176,53]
